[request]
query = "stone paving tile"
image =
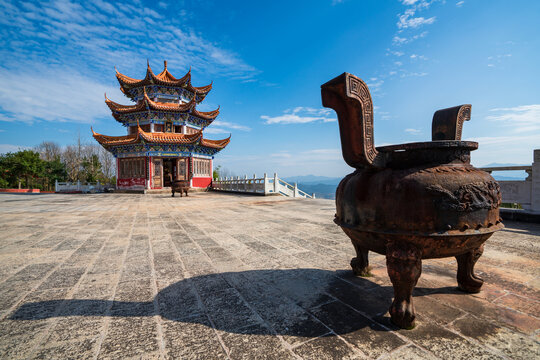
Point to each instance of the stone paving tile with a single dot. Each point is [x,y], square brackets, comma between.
[229,276]
[255,342]
[513,344]
[192,340]
[130,337]
[327,347]
[367,335]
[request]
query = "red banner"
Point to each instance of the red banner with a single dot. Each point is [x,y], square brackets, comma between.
[130,183]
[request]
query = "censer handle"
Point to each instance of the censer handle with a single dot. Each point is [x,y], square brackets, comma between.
[448,123]
[349,96]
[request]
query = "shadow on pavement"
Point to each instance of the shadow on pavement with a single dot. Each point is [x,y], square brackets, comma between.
[295,302]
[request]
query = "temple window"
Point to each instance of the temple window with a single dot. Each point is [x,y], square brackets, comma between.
[201,167]
[132,168]
[158,127]
[190,130]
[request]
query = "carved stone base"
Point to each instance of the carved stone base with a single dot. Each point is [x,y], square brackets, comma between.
[404,265]
[360,263]
[467,280]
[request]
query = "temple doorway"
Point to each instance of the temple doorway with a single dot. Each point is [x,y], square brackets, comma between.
[169,170]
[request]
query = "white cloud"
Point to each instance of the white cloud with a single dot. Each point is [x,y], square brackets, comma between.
[412,73]
[282,154]
[409,2]
[95,35]
[62,95]
[399,40]
[416,56]
[230,125]
[300,115]
[215,130]
[395,53]
[497,59]
[524,118]
[413,131]
[402,40]
[503,149]
[5,148]
[407,20]
[224,127]
[375,84]
[460,3]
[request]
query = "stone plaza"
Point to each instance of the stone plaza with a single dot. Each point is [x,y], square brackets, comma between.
[225,276]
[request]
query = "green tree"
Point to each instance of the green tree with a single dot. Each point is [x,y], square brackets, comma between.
[55,170]
[215,173]
[24,164]
[92,168]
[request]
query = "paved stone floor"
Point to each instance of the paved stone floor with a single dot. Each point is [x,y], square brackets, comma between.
[217,276]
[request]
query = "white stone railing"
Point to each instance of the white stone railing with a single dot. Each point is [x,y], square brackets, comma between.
[264,186]
[77,186]
[524,192]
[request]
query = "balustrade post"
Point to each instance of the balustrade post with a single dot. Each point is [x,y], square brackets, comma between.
[313,196]
[266,184]
[276,184]
[535,182]
[56,185]
[295,194]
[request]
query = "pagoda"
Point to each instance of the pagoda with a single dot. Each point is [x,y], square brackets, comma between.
[164,138]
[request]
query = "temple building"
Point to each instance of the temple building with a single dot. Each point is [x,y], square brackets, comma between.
[164,138]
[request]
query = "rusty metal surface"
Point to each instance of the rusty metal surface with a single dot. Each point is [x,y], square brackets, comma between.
[448,123]
[410,201]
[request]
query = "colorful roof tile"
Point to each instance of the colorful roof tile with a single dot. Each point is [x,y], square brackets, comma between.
[148,104]
[163,78]
[160,138]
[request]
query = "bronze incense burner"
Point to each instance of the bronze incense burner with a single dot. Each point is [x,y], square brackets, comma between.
[410,201]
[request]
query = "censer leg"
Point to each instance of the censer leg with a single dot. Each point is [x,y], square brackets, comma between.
[360,263]
[467,280]
[404,265]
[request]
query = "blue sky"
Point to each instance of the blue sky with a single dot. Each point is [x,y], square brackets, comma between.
[267,61]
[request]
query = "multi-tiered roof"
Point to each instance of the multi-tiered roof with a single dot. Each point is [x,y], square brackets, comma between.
[163,106]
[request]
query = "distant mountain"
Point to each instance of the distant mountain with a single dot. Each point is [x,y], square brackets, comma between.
[507,178]
[501,164]
[507,175]
[324,187]
[321,191]
[313,179]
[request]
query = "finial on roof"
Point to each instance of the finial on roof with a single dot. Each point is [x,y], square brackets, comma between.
[165,63]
